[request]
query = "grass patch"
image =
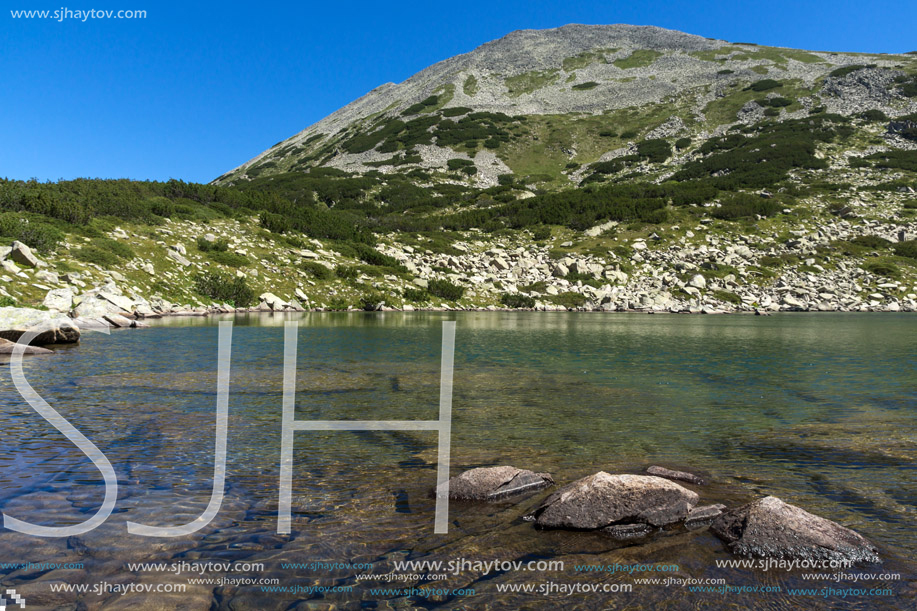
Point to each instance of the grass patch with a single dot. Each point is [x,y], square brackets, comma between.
[470,86]
[638,59]
[529,82]
[569,300]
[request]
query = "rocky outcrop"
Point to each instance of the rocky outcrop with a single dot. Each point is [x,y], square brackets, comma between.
[492,483]
[770,528]
[52,328]
[603,500]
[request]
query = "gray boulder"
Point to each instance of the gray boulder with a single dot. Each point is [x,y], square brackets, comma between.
[22,255]
[273,301]
[94,306]
[491,483]
[770,528]
[178,258]
[52,328]
[602,500]
[59,300]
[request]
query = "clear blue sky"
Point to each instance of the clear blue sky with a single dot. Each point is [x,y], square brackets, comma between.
[190,92]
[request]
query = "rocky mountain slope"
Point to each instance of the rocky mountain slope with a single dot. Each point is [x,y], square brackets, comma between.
[598,90]
[585,167]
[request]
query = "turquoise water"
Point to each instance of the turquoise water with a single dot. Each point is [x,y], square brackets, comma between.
[816,409]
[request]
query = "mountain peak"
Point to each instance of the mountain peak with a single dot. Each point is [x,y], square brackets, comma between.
[655,82]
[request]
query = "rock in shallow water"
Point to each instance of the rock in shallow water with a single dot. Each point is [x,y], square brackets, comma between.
[699,516]
[602,500]
[6,347]
[490,483]
[681,476]
[770,528]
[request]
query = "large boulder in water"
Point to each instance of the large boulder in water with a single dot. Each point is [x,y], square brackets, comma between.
[602,500]
[491,483]
[52,327]
[770,528]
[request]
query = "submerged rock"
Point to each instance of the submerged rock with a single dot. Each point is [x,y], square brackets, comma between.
[602,500]
[681,476]
[699,516]
[52,327]
[491,483]
[6,347]
[770,528]
[628,531]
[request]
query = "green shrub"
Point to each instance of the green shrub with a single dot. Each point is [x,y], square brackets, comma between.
[94,254]
[416,295]
[777,102]
[458,164]
[569,300]
[845,70]
[225,288]
[745,206]
[873,116]
[763,85]
[517,301]
[871,241]
[317,270]
[882,267]
[7,302]
[346,272]
[585,86]
[456,111]
[541,233]
[907,248]
[229,259]
[30,230]
[369,301]
[220,245]
[445,290]
[119,249]
[727,297]
[682,143]
[654,151]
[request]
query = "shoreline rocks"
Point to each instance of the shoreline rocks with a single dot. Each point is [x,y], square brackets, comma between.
[52,327]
